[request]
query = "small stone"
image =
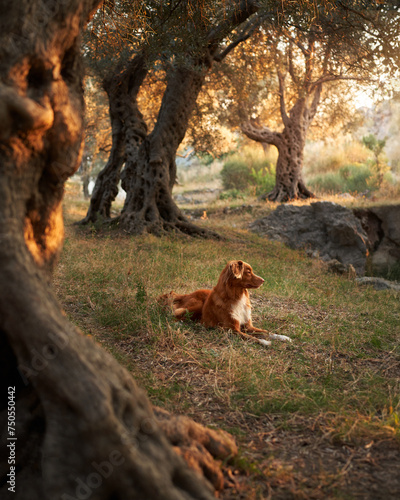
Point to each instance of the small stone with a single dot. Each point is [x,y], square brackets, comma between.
[378,283]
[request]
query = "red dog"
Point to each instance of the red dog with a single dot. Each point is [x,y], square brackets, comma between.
[226,305]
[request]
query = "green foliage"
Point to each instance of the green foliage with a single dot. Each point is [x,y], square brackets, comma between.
[263,180]
[374,144]
[205,158]
[355,177]
[235,174]
[379,166]
[251,169]
[349,178]
[348,166]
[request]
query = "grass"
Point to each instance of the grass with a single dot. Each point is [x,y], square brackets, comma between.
[338,380]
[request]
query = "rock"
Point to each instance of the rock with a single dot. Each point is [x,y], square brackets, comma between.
[382,224]
[379,283]
[180,198]
[334,266]
[326,227]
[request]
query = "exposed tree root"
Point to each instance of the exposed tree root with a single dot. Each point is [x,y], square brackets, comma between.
[137,223]
[94,432]
[282,194]
[202,448]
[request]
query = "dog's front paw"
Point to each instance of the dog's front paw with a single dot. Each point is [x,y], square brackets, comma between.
[284,338]
[264,342]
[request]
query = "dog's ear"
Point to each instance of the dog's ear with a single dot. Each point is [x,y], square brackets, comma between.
[237,268]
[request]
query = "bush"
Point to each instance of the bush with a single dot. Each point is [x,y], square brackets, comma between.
[263,180]
[251,169]
[235,174]
[231,194]
[349,178]
[355,177]
[331,182]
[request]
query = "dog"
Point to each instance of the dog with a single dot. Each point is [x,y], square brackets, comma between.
[227,305]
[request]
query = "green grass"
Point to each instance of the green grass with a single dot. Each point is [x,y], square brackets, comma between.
[342,367]
[113,283]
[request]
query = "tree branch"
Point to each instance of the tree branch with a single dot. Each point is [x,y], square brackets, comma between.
[242,10]
[247,32]
[292,71]
[263,135]
[334,78]
[296,42]
[284,115]
[314,105]
[309,56]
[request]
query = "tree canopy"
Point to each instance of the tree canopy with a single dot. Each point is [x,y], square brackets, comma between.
[313,52]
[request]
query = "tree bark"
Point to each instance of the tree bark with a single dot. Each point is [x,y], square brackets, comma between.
[150,171]
[83,427]
[149,176]
[128,130]
[289,183]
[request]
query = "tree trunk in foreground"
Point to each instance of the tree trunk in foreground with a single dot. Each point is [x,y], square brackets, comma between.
[83,427]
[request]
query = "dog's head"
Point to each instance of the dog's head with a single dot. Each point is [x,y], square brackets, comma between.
[240,274]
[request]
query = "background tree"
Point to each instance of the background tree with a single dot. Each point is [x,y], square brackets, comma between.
[97,133]
[83,426]
[149,158]
[334,43]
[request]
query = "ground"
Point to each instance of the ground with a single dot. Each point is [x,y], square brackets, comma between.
[314,419]
[301,458]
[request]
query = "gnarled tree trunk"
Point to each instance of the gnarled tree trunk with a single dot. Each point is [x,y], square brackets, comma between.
[128,130]
[149,176]
[150,171]
[83,428]
[289,183]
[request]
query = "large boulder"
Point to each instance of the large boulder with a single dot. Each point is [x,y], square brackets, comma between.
[382,224]
[329,229]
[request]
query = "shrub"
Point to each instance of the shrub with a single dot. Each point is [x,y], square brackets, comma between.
[251,168]
[349,178]
[263,180]
[235,174]
[231,194]
[331,182]
[355,177]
